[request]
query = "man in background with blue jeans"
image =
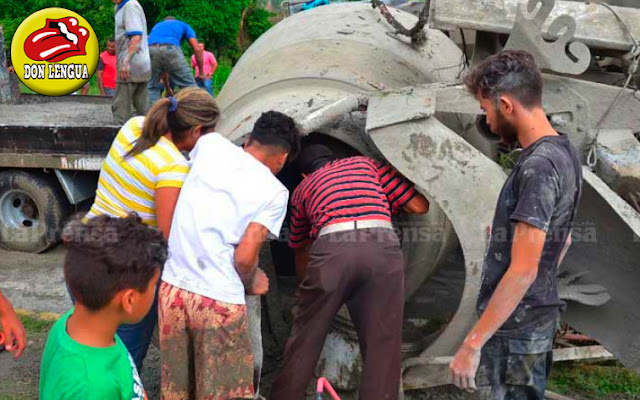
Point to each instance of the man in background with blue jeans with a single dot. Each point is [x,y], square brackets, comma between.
[167,57]
[210,66]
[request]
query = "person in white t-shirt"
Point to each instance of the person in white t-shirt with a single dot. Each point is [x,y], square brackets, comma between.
[230,203]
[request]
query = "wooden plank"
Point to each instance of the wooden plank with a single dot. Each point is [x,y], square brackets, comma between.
[581,353]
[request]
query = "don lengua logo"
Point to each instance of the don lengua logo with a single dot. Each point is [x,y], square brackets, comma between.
[58,40]
[54,51]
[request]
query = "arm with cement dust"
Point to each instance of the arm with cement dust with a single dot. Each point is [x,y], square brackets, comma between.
[246,259]
[526,251]
[134,45]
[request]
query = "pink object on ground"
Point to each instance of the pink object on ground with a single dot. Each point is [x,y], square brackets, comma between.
[322,385]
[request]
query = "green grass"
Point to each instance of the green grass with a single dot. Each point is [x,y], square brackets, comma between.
[594,380]
[509,160]
[34,323]
[222,74]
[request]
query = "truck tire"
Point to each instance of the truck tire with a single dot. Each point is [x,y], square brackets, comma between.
[32,212]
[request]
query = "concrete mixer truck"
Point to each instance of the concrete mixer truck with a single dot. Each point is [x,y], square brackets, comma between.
[358,77]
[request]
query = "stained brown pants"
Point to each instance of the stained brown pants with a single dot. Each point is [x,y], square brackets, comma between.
[363,269]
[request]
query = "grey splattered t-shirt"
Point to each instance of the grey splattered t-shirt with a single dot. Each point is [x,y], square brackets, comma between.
[543,190]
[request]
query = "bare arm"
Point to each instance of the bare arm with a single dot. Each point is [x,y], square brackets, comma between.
[214,67]
[101,82]
[15,335]
[134,45]
[417,205]
[166,200]
[199,56]
[246,260]
[167,83]
[526,251]
[303,257]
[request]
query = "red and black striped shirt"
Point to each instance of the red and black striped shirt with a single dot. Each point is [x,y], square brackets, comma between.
[351,189]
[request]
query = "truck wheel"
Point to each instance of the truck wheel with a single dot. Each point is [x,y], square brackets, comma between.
[32,212]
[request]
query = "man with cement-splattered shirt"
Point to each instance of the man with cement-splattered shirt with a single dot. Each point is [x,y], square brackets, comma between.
[134,64]
[510,346]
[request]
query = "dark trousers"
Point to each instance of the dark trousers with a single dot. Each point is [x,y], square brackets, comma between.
[516,365]
[363,269]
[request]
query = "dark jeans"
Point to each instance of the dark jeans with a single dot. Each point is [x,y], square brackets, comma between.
[516,365]
[363,269]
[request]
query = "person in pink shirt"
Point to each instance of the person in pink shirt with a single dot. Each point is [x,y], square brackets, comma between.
[210,65]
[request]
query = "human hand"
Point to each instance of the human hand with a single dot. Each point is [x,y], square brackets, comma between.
[464,366]
[15,337]
[260,284]
[102,92]
[125,71]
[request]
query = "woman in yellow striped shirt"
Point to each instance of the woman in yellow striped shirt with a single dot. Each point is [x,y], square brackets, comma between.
[143,173]
[145,169]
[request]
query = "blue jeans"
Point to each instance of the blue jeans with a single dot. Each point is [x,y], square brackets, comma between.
[109,92]
[206,84]
[137,337]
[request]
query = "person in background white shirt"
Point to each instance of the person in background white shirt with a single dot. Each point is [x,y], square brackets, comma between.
[230,203]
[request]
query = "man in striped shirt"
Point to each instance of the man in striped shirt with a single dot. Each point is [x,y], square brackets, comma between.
[347,253]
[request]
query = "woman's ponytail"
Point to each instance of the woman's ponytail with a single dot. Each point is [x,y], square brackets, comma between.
[155,126]
[177,115]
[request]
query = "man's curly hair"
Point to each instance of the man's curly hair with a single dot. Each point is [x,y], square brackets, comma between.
[106,255]
[512,72]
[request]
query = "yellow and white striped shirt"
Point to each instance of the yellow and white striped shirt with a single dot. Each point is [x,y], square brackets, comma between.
[128,184]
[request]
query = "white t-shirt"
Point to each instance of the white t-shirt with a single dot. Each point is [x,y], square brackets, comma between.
[225,190]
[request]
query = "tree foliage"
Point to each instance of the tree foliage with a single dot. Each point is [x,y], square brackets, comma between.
[216,22]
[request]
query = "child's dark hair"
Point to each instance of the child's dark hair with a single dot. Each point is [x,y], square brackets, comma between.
[106,255]
[277,129]
[513,72]
[189,108]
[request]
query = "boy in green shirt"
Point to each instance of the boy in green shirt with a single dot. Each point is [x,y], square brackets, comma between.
[111,268]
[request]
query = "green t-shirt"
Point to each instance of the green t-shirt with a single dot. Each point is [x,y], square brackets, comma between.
[71,370]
